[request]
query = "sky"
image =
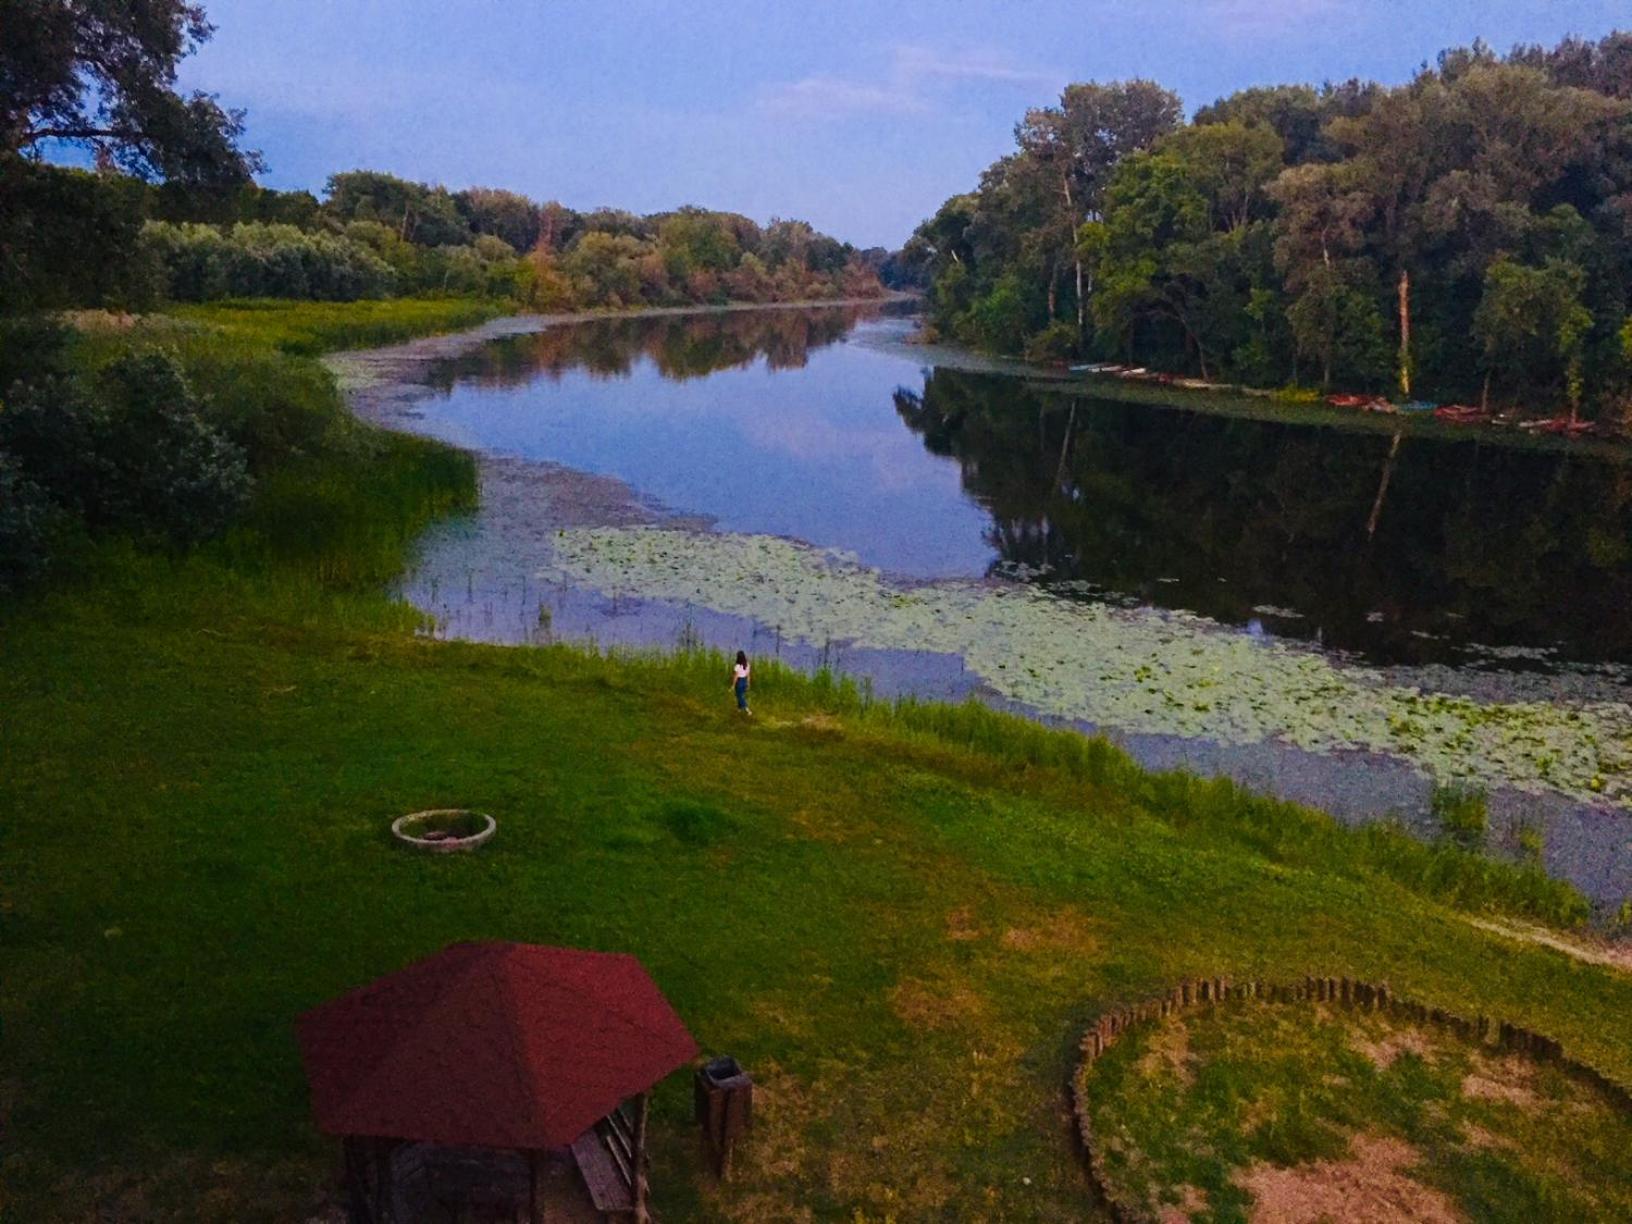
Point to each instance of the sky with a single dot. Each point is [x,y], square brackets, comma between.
[860,116]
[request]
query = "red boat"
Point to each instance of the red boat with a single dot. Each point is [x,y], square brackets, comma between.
[1559,425]
[1348,401]
[1462,414]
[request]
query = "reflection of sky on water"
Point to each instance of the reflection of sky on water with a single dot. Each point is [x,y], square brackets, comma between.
[817,453]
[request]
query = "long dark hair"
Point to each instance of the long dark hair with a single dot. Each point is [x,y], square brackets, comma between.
[742,658]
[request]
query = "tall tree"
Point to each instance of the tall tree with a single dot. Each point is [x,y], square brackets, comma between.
[1532,324]
[1186,237]
[1081,141]
[503,214]
[102,73]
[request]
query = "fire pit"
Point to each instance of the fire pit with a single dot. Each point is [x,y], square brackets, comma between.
[444,830]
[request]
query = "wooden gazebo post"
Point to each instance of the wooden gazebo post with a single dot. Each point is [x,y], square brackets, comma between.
[639,1158]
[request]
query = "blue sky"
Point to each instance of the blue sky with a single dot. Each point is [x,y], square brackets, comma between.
[858,115]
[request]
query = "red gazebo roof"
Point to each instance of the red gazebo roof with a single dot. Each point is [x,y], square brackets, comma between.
[504,1045]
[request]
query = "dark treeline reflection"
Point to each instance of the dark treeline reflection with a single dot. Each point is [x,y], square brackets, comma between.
[1467,542]
[680,346]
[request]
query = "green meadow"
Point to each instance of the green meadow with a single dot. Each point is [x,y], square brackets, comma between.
[898,916]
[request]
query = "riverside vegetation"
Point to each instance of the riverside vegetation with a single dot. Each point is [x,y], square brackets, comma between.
[1462,235]
[204,748]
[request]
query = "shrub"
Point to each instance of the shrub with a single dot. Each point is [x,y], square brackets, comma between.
[174,473]
[1462,811]
[1292,394]
[57,435]
[136,456]
[201,263]
[26,521]
[272,406]
[32,349]
[1055,342]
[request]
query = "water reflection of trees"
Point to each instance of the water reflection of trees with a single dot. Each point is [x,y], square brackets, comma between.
[1225,516]
[679,346]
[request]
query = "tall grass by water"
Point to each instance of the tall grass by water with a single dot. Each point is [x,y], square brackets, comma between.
[1217,809]
[310,328]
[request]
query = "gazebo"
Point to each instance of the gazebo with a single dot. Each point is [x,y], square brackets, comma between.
[505,1046]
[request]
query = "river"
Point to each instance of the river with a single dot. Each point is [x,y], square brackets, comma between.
[1312,608]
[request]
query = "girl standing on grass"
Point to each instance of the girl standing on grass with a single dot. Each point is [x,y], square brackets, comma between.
[739,681]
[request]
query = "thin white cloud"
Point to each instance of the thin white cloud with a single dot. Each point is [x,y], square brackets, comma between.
[912,84]
[1260,17]
[917,63]
[830,97]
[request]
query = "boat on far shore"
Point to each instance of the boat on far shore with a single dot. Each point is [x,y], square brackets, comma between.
[1450,414]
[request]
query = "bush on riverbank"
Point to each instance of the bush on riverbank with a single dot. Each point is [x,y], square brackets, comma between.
[171,432]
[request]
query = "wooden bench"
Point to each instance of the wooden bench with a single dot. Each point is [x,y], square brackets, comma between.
[605,1155]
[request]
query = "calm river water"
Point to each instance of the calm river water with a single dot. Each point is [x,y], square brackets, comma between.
[1275,600]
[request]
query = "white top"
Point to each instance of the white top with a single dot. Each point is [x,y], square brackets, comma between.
[740,671]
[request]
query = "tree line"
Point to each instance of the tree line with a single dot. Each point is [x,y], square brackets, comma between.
[171,210]
[72,238]
[1466,235]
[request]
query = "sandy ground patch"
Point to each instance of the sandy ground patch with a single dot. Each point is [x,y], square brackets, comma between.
[1168,1052]
[1065,930]
[1371,1184]
[961,926]
[1192,1202]
[1507,1079]
[1382,1051]
[935,1005]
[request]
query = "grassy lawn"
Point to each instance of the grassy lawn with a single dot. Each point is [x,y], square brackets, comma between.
[310,328]
[1251,1104]
[898,919]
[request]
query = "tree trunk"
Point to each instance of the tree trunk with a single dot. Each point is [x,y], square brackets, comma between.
[1065,448]
[1405,333]
[1082,305]
[1484,394]
[1382,487]
[1076,257]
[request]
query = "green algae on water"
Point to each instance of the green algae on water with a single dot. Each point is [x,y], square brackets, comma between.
[1137,670]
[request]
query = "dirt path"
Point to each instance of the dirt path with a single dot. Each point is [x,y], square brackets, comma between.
[1610,955]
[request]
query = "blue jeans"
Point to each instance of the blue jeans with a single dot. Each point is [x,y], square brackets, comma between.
[742,694]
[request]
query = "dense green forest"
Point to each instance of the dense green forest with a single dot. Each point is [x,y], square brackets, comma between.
[75,238]
[1465,235]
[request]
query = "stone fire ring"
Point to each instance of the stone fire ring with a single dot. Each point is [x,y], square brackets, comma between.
[403,828]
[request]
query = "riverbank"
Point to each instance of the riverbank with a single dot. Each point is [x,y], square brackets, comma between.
[898,917]
[555,553]
[1257,404]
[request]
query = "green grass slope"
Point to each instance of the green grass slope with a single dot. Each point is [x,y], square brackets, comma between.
[897,917]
